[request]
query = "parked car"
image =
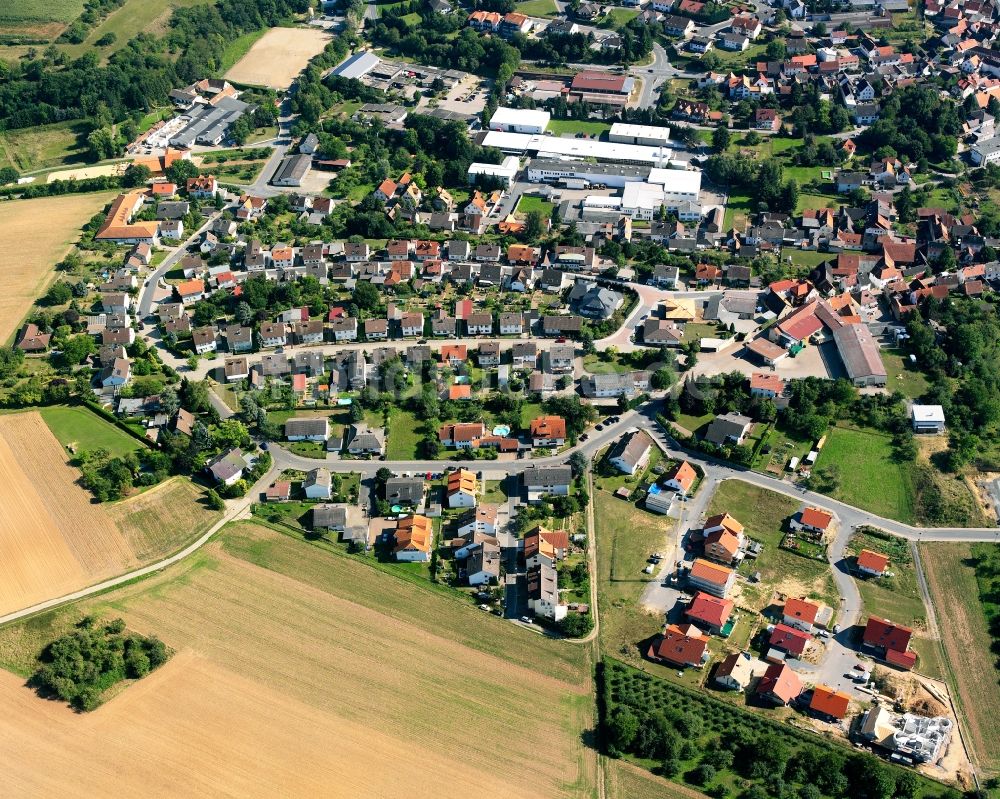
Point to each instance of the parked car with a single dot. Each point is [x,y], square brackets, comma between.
[527,620]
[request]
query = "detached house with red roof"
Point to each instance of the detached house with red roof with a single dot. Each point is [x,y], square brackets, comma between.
[711,577]
[780,684]
[871,563]
[801,614]
[828,703]
[709,612]
[789,640]
[681,478]
[811,520]
[889,641]
[548,431]
[681,646]
[766,119]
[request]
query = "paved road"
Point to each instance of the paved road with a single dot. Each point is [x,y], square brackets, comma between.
[148,289]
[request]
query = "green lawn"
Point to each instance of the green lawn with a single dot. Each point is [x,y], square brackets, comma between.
[619,17]
[869,478]
[897,597]
[403,436]
[737,210]
[764,514]
[529,411]
[806,258]
[903,377]
[602,364]
[529,203]
[85,431]
[493,492]
[693,424]
[538,8]
[626,537]
[561,126]
[43,146]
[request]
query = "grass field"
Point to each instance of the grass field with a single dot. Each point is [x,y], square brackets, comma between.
[619,17]
[529,203]
[626,537]
[869,477]
[764,514]
[276,59]
[403,436]
[39,247]
[902,378]
[596,365]
[971,662]
[284,652]
[43,146]
[625,780]
[538,8]
[128,21]
[82,430]
[897,597]
[561,126]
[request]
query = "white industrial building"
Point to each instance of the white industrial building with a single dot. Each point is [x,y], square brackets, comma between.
[679,185]
[640,201]
[505,171]
[519,120]
[615,176]
[648,135]
[556,147]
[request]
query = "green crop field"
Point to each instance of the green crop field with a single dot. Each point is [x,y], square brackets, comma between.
[538,8]
[869,477]
[33,11]
[85,431]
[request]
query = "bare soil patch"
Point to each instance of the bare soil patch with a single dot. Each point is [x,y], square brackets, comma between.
[276,59]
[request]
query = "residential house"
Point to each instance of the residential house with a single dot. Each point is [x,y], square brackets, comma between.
[829,703]
[542,545]
[709,612]
[462,435]
[364,440]
[736,671]
[546,481]
[414,539]
[318,484]
[329,517]
[711,577]
[461,489]
[630,454]
[548,431]
[780,684]
[811,520]
[680,646]
[482,520]
[307,429]
[789,640]
[681,477]
[482,565]
[227,467]
[800,613]
[543,593]
[407,492]
[871,563]
[890,641]
[729,428]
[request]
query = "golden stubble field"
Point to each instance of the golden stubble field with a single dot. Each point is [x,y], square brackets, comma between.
[311,674]
[54,540]
[276,59]
[34,236]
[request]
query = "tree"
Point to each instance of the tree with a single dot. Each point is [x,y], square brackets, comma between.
[534,225]
[77,348]
[721,138]
[578,463]
[366,296]
[136,175]
[8,175]
[622,728]
[59,293]
[214,501]
[179,171]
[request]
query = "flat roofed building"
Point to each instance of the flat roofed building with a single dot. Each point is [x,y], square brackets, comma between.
[649,135]
[579,149]
[519,120]
[928,418]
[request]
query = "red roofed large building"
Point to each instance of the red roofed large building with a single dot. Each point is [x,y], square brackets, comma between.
[780,684]
[680,645]
[890,641]
[798,326]
[789,639]
[710,612]
[601,83]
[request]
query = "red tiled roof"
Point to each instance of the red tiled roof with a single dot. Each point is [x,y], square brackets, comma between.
[829,702]
[790,639]
[884,633]
[709,609]
[874,561]
[814,517]
[801,609]
[780,681]
[680,645]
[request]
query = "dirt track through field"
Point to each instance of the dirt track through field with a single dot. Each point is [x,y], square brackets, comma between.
[276,59]
[282,689]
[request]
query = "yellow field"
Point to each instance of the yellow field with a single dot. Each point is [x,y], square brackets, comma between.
[54,540]
[276,59]
[39,232]
[627,781]
[87,172]
[296,676]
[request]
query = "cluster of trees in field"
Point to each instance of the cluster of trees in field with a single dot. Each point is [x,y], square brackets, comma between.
[81,665]
[708,743]
[915,124]
[50,87]
[763,181]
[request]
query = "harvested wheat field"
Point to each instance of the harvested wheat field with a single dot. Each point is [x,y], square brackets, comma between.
[276,59]
[287,685]
[54,540]
[34,236]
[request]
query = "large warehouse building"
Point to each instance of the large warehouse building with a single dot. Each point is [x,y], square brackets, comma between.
[648,135]
[519,120]
[556,147]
